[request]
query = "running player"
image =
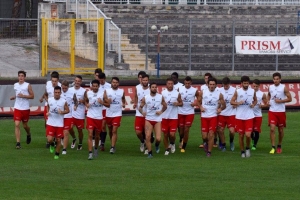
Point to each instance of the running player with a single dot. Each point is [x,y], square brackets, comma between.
[209,101]
[278,95]
[155,106]
[174,77]
[115,98]
[245,99]
[169,122]
[57,108]
[23,92]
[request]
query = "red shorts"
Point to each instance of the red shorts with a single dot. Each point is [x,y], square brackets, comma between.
[113,121]
[57,132]
[185,120]
[104,114]
[152,122]
[79,123]
[277,118]
[45,113]
[93,124]
[21,115]
[139,123]
[169,125]
[257,121]
[209,124]
[226,120]
[243,126]
[68,123]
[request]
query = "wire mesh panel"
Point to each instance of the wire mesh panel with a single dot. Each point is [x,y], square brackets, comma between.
[18,28]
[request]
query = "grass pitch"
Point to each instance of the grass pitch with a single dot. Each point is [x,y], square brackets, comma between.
[32,173]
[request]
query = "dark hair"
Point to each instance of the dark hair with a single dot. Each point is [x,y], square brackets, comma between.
[245,79]
[78,76]
[208,74]
[98,70]
[175,74]
[141,73]
[115,78]
[95,81]
[65,83]
[57,88]
[55,74]
[22,72]
[226,81]
[212,79]
[145,75]
[256,81]
[169,79]
[153,83]
[101,76]
[277,74]
[188,78]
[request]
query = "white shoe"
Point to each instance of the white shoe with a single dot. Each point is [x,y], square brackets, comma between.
[64,152]
[173,148]
[167,153]
[142,147]
[243,155]
[248,153]
[146,152]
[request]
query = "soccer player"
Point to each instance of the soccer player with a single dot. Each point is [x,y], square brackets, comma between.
[261,103]
[78,112]
[245,99]
[177,84]
[115,98]
[140,92]
[209,101]
[169,122]
[68,95]
[94,103]
[23,92]
[227,116]
[278,95]
[57,108]
[186,112]
[155,106]
[103,86]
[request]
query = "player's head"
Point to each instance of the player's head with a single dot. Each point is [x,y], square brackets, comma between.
[21,75]
[102,78]
[245,81]
[276,78]
[145,80]
[188,82]
[55,74]
[170,84]
[57,92]
[175,76]
[65,86]
[140,74]
[226,83]
[115,82]
[97,72]
[206,77]
[153,88]
[78,81]
[212,83]
[54,80]
[256,84]
[95,85]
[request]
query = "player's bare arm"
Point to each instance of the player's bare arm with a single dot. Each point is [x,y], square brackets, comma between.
[264,103]
[287,99]
[44,96]
[200,101]
[135,101]
[233,100]
[106,101]
[86,100]
[196,103]
[254,102]
[65,111]
[75,101]
[142,106]
[164,107]
[123,100]
[222,104]
[179,101]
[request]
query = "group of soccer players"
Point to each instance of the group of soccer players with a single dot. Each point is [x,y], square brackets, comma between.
[238,109]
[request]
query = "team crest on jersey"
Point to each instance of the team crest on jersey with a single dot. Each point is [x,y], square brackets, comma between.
[210,103]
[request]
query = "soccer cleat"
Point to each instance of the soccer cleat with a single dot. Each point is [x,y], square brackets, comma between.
[28,140]
[56,157]
[64,152]
[248,153]
[215,145]
[95,153]
[93,143]
[223,149]
[73,143]
[208,154]
[90,156]
[146,151]
[167,153]
[279,151]
[253,148]
[112,150]
[201,145]
[142,147]
[18,145]
[232,146]
[243,155]
[272,151]
[173,148]
[182,150]
[51,149]
[157,149]
[150,156]
[79,147]
[102,147]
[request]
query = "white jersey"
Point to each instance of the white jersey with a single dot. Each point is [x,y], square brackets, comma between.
[95,109]
[21,103]
[55,119]
[68,96]
[188,97]
[277,92]
[153,104]
[115,108]
[228,94]
[244,111]
[141,93]
[210,102]
[102,88]
[178,85]
[170,97]
[50,89]
[79,113]
[203,87]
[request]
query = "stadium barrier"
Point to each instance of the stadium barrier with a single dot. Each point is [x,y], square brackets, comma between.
[37,108]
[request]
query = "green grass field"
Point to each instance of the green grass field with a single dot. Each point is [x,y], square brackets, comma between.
[32,173]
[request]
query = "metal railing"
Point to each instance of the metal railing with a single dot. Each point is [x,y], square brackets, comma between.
[18,28]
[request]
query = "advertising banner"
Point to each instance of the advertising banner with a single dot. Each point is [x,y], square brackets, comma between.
[267,45]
